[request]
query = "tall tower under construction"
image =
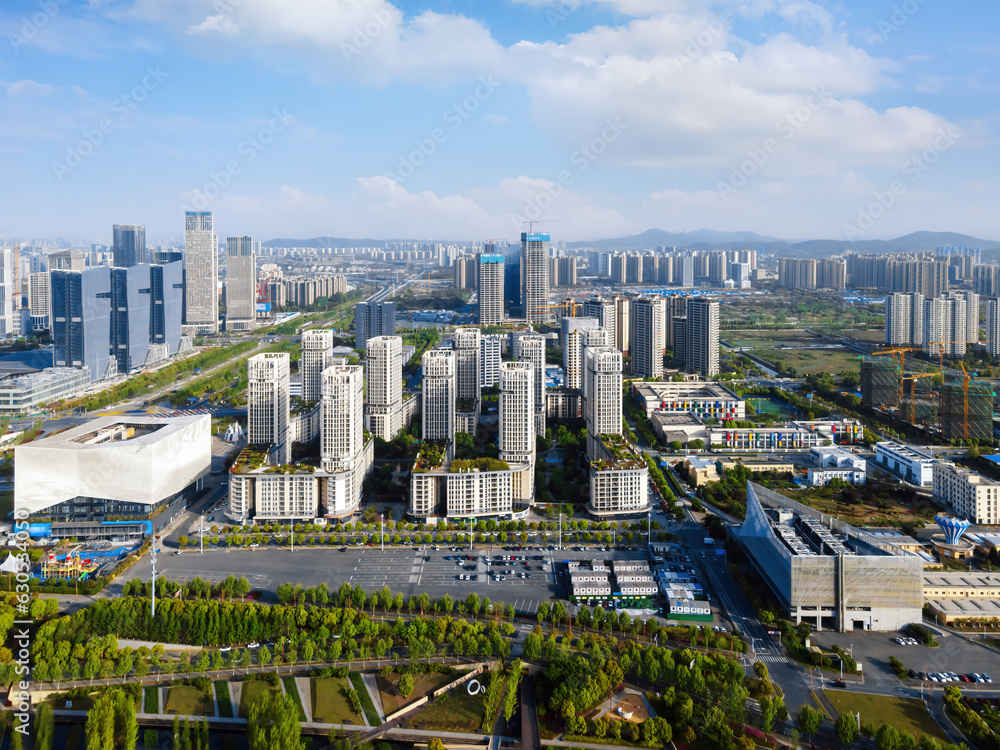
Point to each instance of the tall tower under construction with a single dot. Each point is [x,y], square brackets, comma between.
[879,382]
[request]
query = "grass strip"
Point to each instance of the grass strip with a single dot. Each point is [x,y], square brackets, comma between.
[292,689]
[371,715]
[223,699]
[151,700]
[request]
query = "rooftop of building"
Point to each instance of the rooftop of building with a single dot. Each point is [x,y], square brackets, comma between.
[687,389]
[906,451]
[969,475]
[623,456]
[963,580]
[432,455]
[484,463]
[253,459]
[119,430]
[677,418]
[297,406]
[807,532]
[958,608]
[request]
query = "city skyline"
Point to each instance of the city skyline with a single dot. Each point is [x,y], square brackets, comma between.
[790,119]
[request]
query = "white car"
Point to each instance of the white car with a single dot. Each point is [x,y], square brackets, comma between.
[253,645]
[225,649]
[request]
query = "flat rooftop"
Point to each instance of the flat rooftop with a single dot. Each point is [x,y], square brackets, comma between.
[130,430]
[906,451]
[966,607]
[962,580]
[687,389]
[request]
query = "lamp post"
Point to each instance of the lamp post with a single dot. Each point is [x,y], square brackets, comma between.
[202,519]
[381,519]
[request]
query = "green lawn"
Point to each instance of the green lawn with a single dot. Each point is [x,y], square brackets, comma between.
[329,701]
[423,685]
[371,715]
[905,714]
[252,692]
[292,690]
[151,701]
[454,711]
[6,503]
[188,700]
[223,699]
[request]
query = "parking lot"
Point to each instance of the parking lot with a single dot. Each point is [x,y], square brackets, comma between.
[953,654]
[407,570]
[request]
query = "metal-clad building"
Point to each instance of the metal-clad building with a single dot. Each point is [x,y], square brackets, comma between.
[826,572]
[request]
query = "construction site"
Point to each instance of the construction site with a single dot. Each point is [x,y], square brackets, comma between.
[960,408]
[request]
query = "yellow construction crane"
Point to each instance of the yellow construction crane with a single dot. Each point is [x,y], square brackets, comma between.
[913,392]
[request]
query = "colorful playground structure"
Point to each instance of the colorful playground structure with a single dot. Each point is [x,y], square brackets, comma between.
[70,566]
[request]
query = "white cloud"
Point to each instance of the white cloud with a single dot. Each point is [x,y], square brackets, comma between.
[27,87]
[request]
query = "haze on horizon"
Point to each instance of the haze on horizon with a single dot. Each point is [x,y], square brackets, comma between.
[459,118]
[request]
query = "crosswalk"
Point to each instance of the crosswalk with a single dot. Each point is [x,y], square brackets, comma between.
[772,658]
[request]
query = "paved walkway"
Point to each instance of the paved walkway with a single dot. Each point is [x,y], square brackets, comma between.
[126,642]
[304,686]
[368,678]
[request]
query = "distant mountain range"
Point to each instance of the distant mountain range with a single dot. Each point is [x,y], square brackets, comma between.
[708,239]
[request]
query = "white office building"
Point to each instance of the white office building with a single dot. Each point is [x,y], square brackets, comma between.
[490,356]
[517,435]
[906,462]
[603,403]
[490,289]
[384,386]
[604,310]
[466,343]
[39,301]
[702,349]
[530,347]
[571,341]
[438,394]
[201,275]
[268,404]
[969,495]
[317,356]
[241,284]
[647,338]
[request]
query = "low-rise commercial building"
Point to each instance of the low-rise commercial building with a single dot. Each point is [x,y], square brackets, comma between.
[906,462]
[831,462]
[701,470]
[702,398]
[826,572]
[21,393]
[786,437]
[113,477]
[969,495]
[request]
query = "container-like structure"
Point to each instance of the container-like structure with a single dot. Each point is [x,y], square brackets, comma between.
[879,382]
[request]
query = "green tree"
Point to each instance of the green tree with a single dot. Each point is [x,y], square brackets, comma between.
[846,727]
[273,721]
[887,738]
[809,719]
[406,684]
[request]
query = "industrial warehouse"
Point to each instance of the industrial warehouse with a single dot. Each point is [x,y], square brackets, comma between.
[826,572]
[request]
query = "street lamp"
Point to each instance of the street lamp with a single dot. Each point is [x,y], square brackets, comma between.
[381,519]
[202,518]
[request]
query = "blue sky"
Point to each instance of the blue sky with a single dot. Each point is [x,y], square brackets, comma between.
[458,119]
